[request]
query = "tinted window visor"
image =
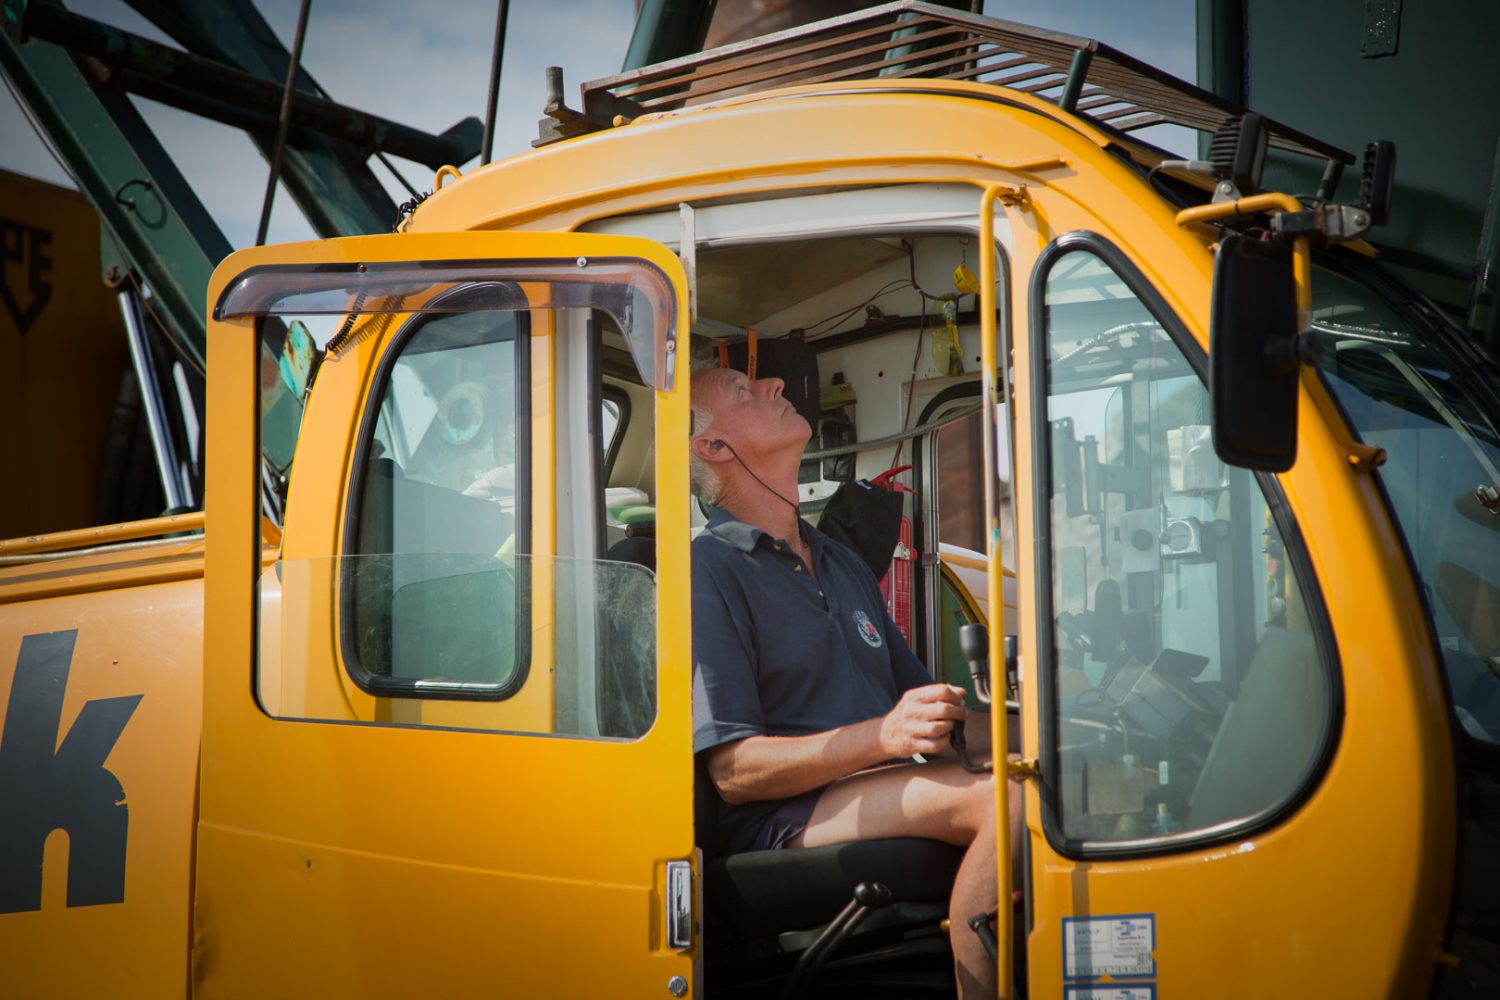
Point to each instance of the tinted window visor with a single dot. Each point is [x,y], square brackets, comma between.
[635,293]
[1435,414]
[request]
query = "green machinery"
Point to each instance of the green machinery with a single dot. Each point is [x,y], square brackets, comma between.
[76,76]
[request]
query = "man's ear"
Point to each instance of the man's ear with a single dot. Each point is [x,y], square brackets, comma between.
[709,448]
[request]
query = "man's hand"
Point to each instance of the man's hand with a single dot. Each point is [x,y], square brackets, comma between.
[778,767]
[922,720]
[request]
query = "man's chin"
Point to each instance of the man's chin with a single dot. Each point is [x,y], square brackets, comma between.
[804,429]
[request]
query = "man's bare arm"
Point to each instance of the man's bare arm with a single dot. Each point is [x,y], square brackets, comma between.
[779,767]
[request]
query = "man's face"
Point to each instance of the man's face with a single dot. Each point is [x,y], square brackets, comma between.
[753,417]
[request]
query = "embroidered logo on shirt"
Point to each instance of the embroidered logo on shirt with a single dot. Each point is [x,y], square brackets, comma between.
[867,630]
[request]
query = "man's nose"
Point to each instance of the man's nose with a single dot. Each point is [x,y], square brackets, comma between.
[773,386]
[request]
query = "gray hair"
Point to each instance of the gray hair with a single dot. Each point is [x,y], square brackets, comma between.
[704,480]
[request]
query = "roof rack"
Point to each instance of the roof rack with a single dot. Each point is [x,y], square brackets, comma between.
[908,39]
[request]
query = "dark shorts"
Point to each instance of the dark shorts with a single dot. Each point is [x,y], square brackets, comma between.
[789,819]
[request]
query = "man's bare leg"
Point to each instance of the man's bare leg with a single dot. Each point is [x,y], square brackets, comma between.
[940,801]
[973,894]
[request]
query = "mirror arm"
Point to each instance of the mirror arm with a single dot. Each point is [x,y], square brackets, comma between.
[1360,457]
[1271,202]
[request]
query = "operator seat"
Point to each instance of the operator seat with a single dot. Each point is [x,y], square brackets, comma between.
[774,918]
[759,893]
[639,549]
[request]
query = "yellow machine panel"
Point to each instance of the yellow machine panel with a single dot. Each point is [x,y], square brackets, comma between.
[102,696]
[329,808]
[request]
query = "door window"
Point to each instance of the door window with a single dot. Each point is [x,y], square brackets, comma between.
[444,609]
[435,597]
[962,588]
[960,451]
[1190,690]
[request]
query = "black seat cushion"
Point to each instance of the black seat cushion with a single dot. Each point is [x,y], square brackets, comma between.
[638,549]
[767,892]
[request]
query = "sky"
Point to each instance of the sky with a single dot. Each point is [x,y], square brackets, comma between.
[426,64]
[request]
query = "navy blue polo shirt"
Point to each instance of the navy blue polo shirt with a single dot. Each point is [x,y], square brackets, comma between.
[779,653]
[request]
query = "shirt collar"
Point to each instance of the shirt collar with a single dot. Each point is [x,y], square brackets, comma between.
[726,526]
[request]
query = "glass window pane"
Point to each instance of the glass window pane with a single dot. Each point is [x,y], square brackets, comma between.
[960,491]
[963,593]
[1189,683]
[955,610]
[609,423]
[441,481]
[444,628]
[1403,392]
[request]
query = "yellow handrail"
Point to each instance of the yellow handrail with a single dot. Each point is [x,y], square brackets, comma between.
[992,366]
[1269,202]
[103,535]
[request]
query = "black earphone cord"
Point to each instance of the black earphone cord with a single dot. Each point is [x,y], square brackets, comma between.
[725,444]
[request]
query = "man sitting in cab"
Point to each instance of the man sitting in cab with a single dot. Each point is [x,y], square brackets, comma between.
[803,689]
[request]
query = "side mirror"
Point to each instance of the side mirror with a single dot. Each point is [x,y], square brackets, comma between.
[1254,354]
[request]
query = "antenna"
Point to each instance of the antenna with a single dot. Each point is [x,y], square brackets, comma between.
[492,99]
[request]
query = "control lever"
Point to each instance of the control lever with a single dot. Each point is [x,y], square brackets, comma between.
[1012,650]
[974,644]
[961,747]
[983,926]
[868,897]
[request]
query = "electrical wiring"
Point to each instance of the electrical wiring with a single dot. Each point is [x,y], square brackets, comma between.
[398,174]
[911,266]
[1151,180]
[916,360]
[839,317]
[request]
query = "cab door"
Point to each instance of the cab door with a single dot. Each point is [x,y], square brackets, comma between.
[1241,787]
[447,744]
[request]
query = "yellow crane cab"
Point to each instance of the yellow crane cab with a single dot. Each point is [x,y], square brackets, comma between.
[1223,492]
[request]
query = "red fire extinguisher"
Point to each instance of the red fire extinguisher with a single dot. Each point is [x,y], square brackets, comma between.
[896,585]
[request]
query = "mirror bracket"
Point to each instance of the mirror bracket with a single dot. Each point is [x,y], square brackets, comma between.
[1322,224]
[1275,449]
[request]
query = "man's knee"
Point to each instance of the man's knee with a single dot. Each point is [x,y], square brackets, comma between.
[975,812]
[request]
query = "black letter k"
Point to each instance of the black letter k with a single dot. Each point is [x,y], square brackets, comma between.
[69,789]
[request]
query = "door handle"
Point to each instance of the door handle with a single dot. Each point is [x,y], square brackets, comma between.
[679,904]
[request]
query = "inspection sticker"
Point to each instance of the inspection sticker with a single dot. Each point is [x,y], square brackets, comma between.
[1118,946]
[1139,991]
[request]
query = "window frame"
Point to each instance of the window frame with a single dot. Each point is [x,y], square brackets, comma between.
[389,687]
[1297,560]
